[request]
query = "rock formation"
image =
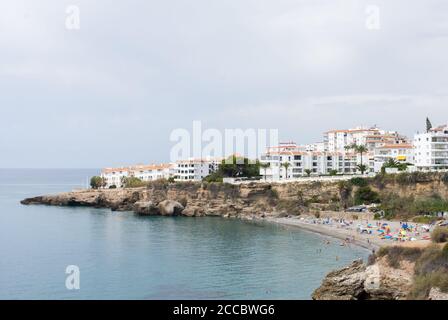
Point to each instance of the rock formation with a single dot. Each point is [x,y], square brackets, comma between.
[358,281]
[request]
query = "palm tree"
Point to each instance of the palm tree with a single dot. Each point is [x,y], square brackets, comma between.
[265,166]
[391,163]
[362,168]
[358,148]
[308,172]
[286,165]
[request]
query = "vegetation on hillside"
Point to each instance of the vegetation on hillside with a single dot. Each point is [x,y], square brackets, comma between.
[430,267]
[132,182]
[97,182]
[234,167]
[365,190]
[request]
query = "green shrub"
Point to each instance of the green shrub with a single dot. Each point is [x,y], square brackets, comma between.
[133,182]
[171,180]
[423,283]
[439,234]
[393,204]
[214,177]
[365,195]
[97,182]
[431,204]
[431,270]
[431,260]
[359,182]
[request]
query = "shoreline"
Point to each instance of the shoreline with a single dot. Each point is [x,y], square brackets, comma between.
[369,242]
[339,234]
[366,241]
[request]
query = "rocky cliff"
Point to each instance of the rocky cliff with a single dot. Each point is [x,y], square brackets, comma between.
[397,193]
[361,282]
[394,273]
[201,199]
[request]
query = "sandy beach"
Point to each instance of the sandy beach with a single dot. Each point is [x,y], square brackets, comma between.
[349,234]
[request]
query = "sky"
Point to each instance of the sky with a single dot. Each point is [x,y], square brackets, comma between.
[111,92]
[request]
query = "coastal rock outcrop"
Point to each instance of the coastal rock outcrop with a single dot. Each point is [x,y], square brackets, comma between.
[357,281]
[344,284]
[145,208]
[186,199]
[170,208]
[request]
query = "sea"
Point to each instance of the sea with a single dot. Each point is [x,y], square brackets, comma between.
[85,253]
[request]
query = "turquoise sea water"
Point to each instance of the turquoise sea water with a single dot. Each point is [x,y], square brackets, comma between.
[123,256]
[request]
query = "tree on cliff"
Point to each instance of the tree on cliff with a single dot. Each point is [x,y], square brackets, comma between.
[97,182]
[235,167]
[239,167]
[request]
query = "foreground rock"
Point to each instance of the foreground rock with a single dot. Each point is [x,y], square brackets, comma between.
[343,284]
[436,294]
[378,281]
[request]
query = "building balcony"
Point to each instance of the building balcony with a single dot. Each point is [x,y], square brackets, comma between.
[439,155]
[440,146]
[442,162]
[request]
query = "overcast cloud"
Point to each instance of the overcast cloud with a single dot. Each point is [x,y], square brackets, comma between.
[111,93]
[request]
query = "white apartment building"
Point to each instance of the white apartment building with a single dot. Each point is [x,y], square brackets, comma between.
[195,169]
[431,149]
[318,146]
[337,140]
[300,160]
[401,152]
[182,170]
[114,176]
